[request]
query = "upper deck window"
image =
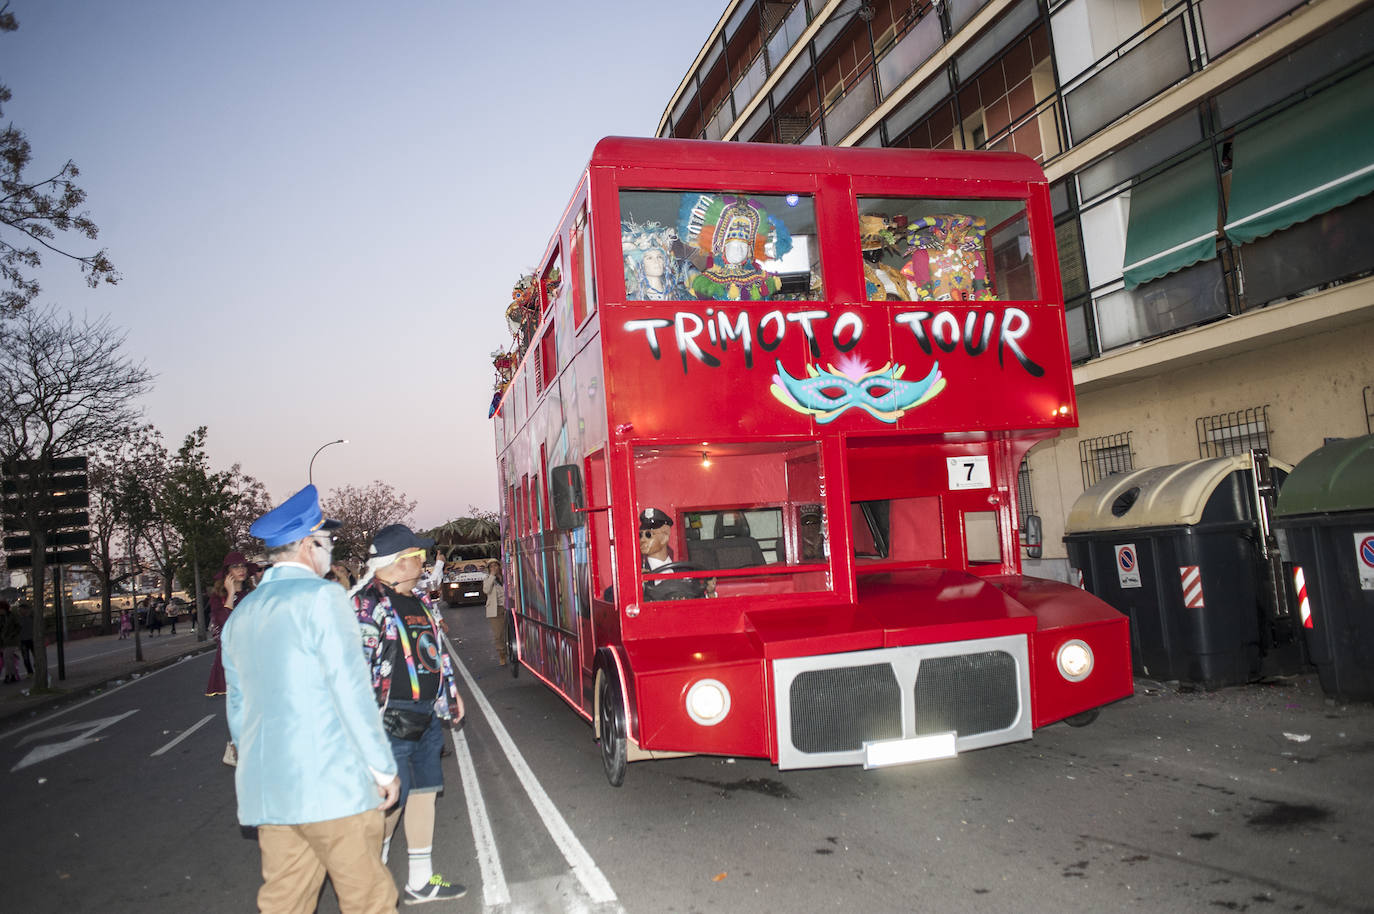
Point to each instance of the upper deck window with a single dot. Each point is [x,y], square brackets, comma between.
[923,249]
[719,245]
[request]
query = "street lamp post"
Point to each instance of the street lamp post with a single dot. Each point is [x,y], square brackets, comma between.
[310,473]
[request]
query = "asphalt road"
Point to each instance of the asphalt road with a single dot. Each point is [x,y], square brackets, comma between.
[1248,799]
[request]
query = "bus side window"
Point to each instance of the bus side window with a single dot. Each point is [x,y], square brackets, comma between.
[982,542]
[599,526]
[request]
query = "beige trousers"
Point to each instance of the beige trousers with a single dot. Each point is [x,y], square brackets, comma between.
[296,858]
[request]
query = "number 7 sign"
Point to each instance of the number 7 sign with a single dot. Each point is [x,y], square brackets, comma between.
[969,472]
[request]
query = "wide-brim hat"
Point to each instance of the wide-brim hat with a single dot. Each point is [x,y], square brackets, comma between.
[294,519]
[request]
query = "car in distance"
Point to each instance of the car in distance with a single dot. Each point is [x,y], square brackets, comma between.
[464,587]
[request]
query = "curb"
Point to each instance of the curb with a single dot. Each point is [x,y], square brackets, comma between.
[25,709]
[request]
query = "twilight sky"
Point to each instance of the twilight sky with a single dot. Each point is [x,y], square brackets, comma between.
[319,207]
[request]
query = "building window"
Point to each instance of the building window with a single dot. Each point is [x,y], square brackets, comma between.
[1105,456]
[1233,433]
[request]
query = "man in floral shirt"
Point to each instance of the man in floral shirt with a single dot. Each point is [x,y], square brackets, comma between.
[412,678]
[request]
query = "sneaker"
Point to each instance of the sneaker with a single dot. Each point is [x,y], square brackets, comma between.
[437,889]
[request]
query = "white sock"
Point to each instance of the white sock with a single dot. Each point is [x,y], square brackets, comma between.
[421,866]
[386,849]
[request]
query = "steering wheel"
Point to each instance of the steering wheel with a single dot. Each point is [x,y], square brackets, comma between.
[675,588]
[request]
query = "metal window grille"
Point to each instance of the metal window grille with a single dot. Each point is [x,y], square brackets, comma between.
[1025,504]
[1233,433]
[1105,456]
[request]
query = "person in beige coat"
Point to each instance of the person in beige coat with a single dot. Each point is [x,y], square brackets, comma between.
[496,607]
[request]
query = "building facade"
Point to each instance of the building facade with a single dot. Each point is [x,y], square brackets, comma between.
[1211,163]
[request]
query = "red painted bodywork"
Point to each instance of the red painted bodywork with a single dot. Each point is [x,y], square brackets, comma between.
[601,394]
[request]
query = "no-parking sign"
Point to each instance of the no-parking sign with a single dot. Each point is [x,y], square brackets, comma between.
[1127,565]
[1364,559]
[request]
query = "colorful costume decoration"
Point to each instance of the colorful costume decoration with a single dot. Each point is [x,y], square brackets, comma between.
[881,393]
[661,278]
[736,234]
[947,258]
[878,234]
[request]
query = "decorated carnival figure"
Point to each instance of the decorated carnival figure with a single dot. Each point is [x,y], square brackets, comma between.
[736,234]
[652,273]
[878,235]
[947,258]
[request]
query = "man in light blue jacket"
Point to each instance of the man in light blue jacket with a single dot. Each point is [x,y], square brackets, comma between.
[313,759]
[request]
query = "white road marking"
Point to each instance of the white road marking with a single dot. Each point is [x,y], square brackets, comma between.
[581,862]
[106,694]
[84,738]
[185,733]
[494,889]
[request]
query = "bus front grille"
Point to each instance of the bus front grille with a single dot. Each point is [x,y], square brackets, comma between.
[966,693]
[836,710]
[829,705]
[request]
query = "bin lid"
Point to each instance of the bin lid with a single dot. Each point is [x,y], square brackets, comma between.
[1337,477]
[1164,496]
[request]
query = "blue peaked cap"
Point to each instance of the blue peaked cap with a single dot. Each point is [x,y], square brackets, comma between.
[294,519]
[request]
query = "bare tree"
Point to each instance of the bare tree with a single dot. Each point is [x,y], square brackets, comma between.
[363,512]
[32,212]
[66,390]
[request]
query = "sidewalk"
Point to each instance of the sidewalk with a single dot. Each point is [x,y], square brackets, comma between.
[91,665]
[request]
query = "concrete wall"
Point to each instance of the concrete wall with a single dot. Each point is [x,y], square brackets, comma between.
[1312,382]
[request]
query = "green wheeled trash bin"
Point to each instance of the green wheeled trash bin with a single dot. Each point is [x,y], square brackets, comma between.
[1325,520]
[1184,551]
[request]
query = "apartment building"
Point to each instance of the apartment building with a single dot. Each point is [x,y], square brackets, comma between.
[1211,163]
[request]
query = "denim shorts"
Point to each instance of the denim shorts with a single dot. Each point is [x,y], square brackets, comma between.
[417,760]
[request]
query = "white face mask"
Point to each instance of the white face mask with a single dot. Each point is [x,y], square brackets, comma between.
[320,558]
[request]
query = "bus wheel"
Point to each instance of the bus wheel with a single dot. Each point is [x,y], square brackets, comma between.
[1082,720]
[611,718]
[512,652]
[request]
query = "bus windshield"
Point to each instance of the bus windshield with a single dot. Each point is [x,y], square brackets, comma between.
[731,519]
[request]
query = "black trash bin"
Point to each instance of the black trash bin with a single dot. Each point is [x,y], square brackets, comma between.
[1179,550]
[1325,520]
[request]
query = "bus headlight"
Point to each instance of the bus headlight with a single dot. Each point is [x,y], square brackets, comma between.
[1075,660]
[708,701]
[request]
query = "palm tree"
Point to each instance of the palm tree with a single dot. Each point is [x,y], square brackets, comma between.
[475,536]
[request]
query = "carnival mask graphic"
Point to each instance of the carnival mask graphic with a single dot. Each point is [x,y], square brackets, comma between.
[829,394]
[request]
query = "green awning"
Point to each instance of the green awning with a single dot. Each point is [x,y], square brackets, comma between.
[1312,158]
[1173,221]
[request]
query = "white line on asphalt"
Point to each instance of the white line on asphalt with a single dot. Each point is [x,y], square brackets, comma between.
[106,694]
[581,862]
[494,889]
[192,729]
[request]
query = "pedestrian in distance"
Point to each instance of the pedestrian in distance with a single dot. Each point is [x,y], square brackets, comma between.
[9,643]
[315,769]
[126,624]
[413,682]
[229,588]
[172,612]
[496,607]
[154,619]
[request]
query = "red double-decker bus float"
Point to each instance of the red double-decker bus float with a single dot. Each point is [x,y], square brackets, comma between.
[758,453]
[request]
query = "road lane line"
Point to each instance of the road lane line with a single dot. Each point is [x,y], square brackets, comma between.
[142,677]
[192,729]
[583,866]
[495,892]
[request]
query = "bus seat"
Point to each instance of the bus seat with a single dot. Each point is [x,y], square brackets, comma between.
[734,547]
